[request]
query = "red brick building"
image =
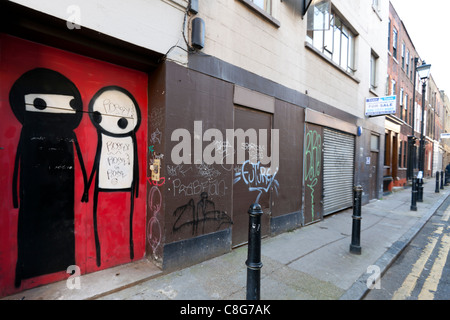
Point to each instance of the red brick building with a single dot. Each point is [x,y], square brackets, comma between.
[402,57]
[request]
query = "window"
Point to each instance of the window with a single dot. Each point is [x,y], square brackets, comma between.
[266,5]
[402,154]
[401,97]
[429,129]
[262,8]
[374,143]
[387,147]
[401,103]
[394,88]
[394,42]
[403,56]
[389,36]
[405,146]
[407,63]
[406,108]
[418,113]
[336,42]
[373,70]
[410,112]
[375,5]
[387,87]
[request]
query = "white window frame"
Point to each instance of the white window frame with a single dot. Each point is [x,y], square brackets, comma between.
[341,38]
[373,70]
[403,55]
[407,62]
[401,96]
[394,42]
[265,5]
[375,5]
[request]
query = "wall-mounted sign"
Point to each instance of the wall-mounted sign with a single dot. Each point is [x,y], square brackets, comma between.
[445,135]
[420,175]
[381,106]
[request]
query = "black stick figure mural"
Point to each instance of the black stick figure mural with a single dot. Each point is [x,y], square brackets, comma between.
[116,116]
[49,107]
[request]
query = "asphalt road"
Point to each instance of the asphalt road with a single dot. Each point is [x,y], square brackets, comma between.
[422,271]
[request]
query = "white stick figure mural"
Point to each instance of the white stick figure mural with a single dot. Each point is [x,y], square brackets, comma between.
[116,116]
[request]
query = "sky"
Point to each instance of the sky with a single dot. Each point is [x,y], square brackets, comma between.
[428,26]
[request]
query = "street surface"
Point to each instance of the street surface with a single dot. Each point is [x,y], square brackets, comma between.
[422,271]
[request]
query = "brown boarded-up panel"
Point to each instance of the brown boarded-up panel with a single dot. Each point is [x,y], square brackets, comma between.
[313,174]
[197,196]
[251,184]
[289,120]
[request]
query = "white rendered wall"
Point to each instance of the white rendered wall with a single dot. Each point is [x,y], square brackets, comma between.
[152,24]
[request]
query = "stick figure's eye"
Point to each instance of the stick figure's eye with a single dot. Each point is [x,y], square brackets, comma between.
[51,103]
[39,104]
[74,104]
[122,123]
[97,117]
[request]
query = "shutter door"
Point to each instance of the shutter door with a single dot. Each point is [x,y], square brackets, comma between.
[338,168]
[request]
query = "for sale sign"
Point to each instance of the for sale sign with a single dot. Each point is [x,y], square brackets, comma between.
[381,106]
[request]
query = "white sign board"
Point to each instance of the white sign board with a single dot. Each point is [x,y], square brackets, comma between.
[419,175]
[381,106]
[445,135]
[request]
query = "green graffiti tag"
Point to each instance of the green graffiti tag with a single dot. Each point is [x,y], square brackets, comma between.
[313,162]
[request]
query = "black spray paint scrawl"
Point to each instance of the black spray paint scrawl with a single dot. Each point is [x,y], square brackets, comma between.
[116,116]
[49,107]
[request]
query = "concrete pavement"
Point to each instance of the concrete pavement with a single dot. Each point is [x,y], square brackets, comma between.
[310,263]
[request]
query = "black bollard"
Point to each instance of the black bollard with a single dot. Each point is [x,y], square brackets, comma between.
[355,246]
[436,190]
[442,180]
[253,262]
[420,190]
[414,195]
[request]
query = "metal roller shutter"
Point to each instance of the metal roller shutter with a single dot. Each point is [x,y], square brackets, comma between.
[338,168]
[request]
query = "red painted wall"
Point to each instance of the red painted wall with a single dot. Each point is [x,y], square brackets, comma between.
[17,57]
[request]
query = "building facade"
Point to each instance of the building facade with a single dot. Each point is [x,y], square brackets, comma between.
[125,105]
[445,142]
[402,61]
[410,119]
[435,127]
